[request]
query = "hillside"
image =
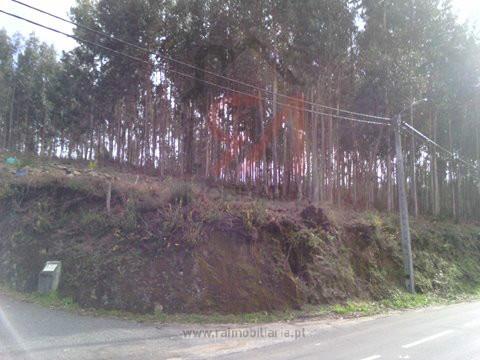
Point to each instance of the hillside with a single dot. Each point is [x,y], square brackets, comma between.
[178,246]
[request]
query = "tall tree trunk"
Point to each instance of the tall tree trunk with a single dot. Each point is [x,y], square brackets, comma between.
[119,130]
[339,161]
[149,127]
[477,143]
[330,162]
[188,141]
[389,175]
[285,157]
[208,145]
[452,171]
[355,179]
[436,188]
[9,143]
[264,164]
[155,161]
[275,129]
[371,178]
[91,141]
[323,159]
[315,150]
[477,146]
[413,171]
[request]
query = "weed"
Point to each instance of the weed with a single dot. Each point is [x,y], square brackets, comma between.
[352,308]
[173,218]
[193,230]
[128,222]
[26,161]
[398,301]
[181,193]
[401,300]
[6,191]
[213,212]
[254,214]
[76,184]
[42,221]
[95,223]
[374,219]
[54,300]
[176,218]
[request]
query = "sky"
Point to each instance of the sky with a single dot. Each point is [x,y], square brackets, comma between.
[467,10]
[57,7]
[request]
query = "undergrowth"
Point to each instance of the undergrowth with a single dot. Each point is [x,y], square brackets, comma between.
[353,309]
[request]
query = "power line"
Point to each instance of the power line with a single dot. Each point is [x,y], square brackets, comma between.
[195,67]
[413,130]
[131,57]
[424,137]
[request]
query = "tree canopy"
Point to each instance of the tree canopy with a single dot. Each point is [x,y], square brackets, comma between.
[252,93]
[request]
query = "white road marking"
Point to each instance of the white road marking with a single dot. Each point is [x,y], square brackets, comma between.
[430,338]
[374,357]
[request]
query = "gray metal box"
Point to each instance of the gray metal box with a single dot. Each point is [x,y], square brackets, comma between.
[49,277]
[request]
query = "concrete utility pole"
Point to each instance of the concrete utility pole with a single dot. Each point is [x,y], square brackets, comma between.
[403,205]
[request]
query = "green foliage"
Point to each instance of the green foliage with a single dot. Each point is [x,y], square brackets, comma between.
[129,220]
[173,218]
[54,299]
[77,184]
[402,300]
[193,231]
[43,218]
[254,214]
[375,220]
[212,211]
[6,191]
[178,223]
[356,308]
[401,52]
[92,165]
[311,239]
[26,161]
[95,223]
[398,301]
[181,193]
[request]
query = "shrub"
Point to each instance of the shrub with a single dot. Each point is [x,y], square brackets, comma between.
[181,193]
[95,223]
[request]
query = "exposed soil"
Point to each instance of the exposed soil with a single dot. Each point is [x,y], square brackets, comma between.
[179,247]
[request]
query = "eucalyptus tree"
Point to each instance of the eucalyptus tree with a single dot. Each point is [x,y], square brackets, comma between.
[7,87]
[246,92]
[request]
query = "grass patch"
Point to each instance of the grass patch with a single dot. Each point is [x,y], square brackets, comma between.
[402,301]
[399,301]
[54,300]
[181,193]
[357,308]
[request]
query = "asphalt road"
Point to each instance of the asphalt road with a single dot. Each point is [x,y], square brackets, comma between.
[446,333]
[31,332]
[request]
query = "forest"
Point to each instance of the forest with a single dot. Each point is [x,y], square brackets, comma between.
[290,100]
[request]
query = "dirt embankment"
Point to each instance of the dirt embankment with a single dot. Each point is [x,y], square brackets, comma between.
[187,250]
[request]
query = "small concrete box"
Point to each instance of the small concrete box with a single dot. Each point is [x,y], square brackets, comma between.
[49,277]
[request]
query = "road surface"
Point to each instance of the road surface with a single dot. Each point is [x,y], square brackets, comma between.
[31,332]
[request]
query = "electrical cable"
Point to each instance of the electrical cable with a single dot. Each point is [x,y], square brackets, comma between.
[131,57]
[193,66]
